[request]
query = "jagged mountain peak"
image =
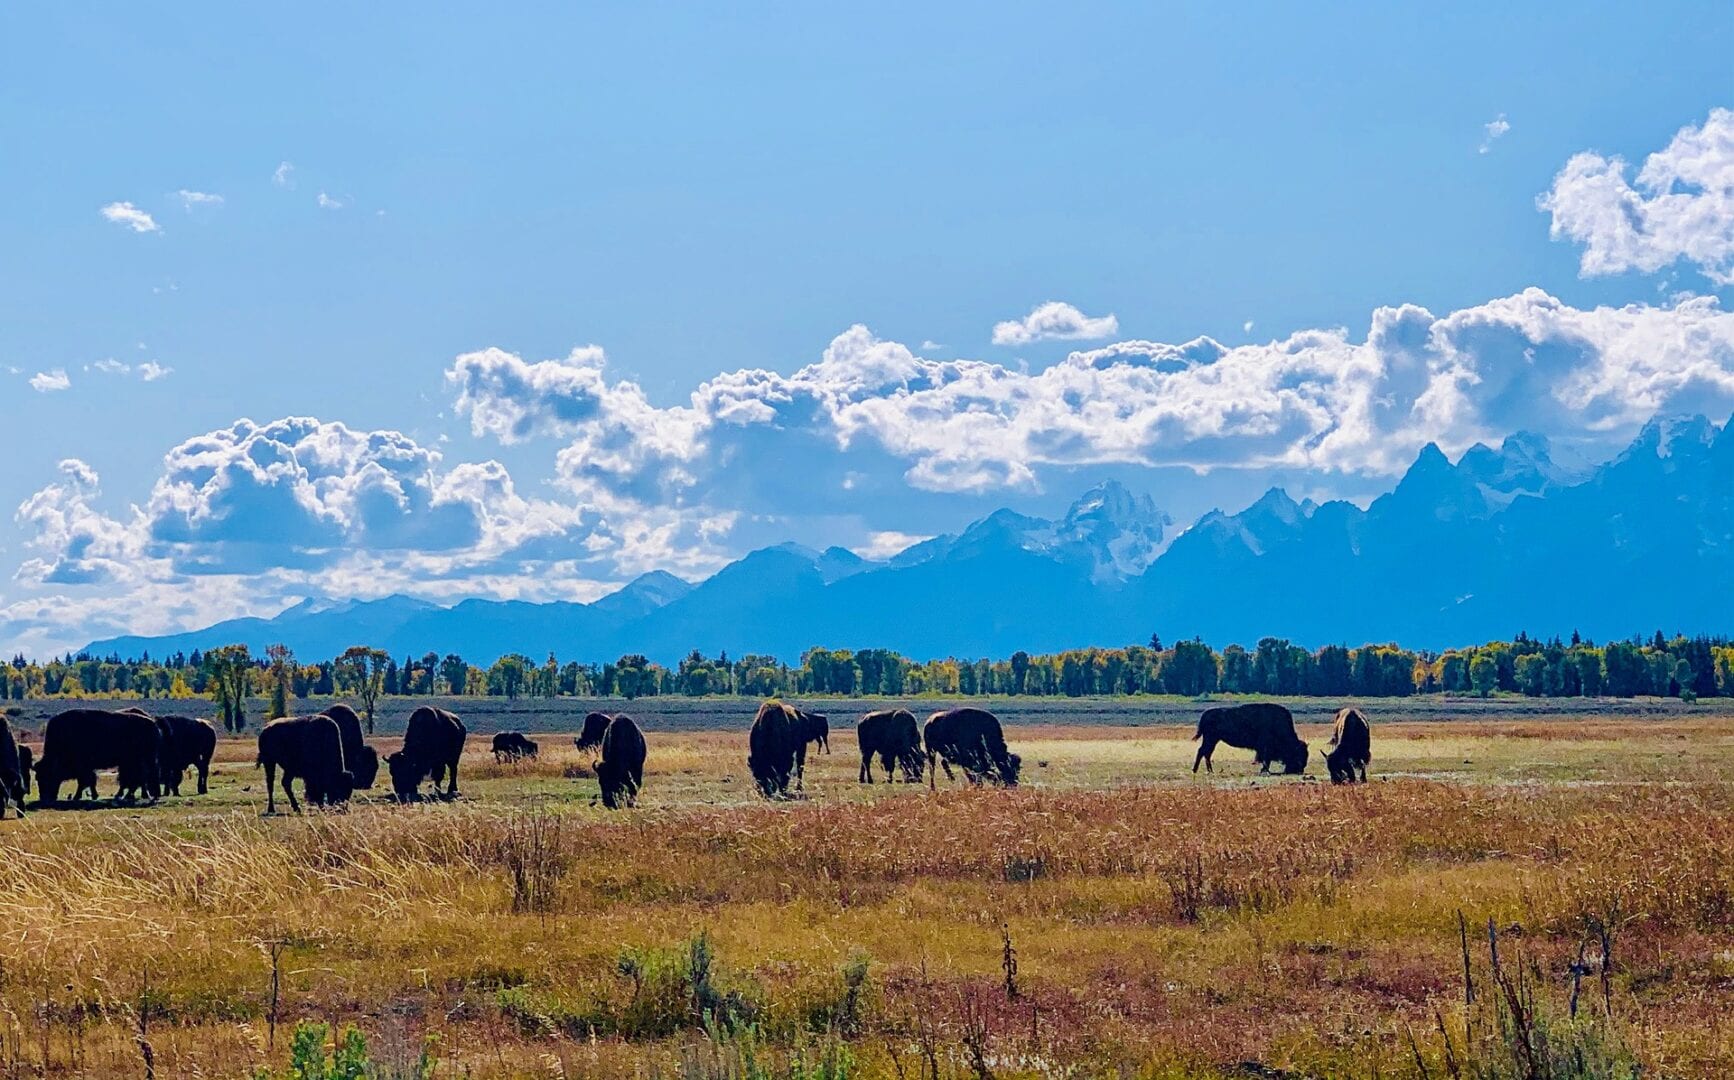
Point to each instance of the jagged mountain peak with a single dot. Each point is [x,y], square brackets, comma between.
[1667,436]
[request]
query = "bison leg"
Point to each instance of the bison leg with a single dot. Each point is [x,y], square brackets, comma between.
[270,788]
[289,790]
[452,788]
[204,776]
[800,768]
[865,774]
[1205,750]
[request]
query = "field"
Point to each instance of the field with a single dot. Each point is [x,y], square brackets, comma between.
[1113,916]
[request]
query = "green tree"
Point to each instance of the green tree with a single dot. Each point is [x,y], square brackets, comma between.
[1484,674]
[228,671]
[282,672]
[361,671]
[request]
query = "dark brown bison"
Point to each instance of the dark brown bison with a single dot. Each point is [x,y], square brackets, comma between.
[894,735]
[432,743]
[187,744]
[620,770]
[512,746]
[12,771]
[309,749]
[26,769]
[360,759]
[76,744]
[972,740]
[1264,727]
[777,736]
[1351,747]
[811,727]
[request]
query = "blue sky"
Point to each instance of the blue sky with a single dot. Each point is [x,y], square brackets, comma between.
[317,211]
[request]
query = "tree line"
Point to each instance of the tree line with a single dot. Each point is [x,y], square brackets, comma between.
[1688,667]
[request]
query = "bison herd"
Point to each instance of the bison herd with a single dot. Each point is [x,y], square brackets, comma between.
[151,755]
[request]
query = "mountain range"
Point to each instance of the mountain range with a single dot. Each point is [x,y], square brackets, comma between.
[1507,538]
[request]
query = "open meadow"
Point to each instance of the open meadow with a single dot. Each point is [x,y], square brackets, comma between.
[1114,915]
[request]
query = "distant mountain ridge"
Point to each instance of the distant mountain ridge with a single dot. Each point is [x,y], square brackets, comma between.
[1503,539]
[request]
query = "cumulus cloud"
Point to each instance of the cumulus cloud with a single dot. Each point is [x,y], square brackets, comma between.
[125,213]
[1681,206]
[1494,130]
[326,202]
[151,371]
[1318,399]
[284,174]
[112,366]
[1054,321]
[193,199]
[48,382]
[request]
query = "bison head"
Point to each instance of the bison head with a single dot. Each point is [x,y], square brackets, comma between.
[595,726]
[342,787]
[365,767]
[1294,760]
[1009,769]
[406,775]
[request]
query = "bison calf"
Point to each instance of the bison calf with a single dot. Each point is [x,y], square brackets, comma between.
[620,770]
[1265,728]
[187,744]
[1351,747]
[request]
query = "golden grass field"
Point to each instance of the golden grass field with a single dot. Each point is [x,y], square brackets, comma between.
[1162,925]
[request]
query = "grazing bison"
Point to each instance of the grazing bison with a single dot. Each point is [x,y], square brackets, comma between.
[79,742]
[1351,747]
[620,770]
[811,727]
[187,744]
[26,769]
[360,759]
[893,735]
[432,743]
[12,772]
[972,740]
[512,745]
[307,748]
[1264,727]
[776,737]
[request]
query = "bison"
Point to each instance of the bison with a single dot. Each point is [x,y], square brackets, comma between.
[811,727]
[432,743]
[307,748]
[187,744]
[1351,747]
[79,742]
[972,740]
[893,735]
[12,774]
[360,759]
[620,770]
[777,736]
[512,746]
[1264,727]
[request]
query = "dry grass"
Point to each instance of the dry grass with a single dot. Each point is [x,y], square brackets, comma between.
[1162,925]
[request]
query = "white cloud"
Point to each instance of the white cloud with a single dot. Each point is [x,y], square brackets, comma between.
[125,213]
[1246,327]
[1054,321]
[151,371]
[112,366]
[931,346]
[1495,129]
[882,545]
[326,202]
[1680,208]
[192,199]
[48,382]
[284,175]
[871,409]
